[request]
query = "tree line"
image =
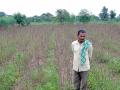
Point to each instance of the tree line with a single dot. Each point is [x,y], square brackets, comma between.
[62,16]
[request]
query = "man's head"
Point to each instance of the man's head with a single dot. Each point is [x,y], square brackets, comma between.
[81,35]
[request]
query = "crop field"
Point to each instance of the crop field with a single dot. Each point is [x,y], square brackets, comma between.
[39,57]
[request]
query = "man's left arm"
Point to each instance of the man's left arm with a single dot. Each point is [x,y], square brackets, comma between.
[90,51]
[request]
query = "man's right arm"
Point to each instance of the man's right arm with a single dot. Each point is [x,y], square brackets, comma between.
[72,47]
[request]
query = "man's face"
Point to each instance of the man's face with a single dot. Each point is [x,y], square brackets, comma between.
[81,37]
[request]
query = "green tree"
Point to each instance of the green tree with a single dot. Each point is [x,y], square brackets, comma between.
[63,15]
[118,18]
[104,15]
[2,14]
[46,17]
[72,18]
[35,19]
[21,19]
[112,14]
[7,20]
[84,16]
[94,18]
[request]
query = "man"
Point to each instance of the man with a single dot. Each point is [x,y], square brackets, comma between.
[82,53]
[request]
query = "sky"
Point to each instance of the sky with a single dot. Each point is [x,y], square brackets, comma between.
[38,7]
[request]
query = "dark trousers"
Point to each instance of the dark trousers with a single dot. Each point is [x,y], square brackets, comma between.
[80,80]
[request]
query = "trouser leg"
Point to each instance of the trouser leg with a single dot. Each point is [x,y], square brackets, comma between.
[84,75]
[76,80]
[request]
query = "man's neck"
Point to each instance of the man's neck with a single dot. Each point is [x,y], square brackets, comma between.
[80,41]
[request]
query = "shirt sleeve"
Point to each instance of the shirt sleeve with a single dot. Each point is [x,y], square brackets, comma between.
[72,47]
[90,51]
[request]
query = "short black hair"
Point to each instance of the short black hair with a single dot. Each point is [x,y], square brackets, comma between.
[81,31]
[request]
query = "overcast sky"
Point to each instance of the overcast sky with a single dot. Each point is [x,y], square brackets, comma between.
[37,7]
